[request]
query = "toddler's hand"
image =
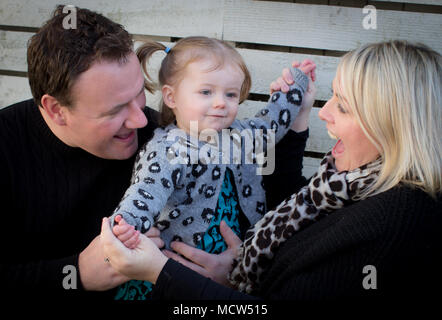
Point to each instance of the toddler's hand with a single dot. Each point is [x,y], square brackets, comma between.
[126,233]
[283,82]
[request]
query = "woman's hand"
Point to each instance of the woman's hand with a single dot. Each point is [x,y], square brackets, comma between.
[95,273]
[154,235]
[145,262]
[214,266]
[283,82]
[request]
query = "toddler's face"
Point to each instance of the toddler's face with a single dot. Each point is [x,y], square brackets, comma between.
[210,97]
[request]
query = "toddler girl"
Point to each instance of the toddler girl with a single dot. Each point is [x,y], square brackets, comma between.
[185,179]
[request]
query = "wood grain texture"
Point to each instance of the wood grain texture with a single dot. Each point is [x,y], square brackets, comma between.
[323,27]
[264,66]
[153,17]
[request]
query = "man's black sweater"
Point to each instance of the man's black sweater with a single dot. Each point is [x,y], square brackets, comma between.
[53,198]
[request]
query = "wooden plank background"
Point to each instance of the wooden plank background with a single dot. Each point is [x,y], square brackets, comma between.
[268,34]
[429,2]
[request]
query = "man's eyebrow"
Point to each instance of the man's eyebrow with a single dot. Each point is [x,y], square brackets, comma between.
[121,105]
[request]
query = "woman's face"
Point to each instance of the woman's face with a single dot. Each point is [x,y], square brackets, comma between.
[353,148]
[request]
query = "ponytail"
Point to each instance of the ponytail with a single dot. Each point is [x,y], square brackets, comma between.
[144,53]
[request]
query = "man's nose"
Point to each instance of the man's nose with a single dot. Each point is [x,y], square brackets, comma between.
[136,119]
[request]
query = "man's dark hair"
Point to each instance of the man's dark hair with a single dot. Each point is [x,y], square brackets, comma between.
[57,56]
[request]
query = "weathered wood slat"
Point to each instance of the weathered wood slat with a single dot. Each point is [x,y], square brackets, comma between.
[319,140]
[13,89]
[323,27]
[265,66]
[13,50]
[154,17]
[277,23]
[428,2]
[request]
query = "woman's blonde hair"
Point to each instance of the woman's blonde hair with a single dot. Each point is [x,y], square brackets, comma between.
[394,90]
[184,52]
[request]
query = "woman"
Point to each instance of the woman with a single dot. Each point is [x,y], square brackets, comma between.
[373,210]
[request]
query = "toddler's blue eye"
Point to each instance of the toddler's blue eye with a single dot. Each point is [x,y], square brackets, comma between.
[205,92]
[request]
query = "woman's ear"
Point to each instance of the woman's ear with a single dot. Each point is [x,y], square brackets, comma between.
[168,96]
[53,109]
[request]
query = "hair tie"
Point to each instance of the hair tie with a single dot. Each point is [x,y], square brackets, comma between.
[167,49]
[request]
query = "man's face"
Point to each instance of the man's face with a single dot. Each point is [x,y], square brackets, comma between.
[108,109]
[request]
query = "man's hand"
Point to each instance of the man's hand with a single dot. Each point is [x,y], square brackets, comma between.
[95,273]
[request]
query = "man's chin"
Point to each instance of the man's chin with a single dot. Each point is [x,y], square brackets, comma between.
[122,153]
[129,153]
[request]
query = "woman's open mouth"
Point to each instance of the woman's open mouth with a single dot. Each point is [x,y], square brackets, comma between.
[338,149]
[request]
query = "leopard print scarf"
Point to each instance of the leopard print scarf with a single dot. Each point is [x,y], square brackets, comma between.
[327,191]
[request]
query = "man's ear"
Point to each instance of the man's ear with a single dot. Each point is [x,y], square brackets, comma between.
[53,109]
[168,96]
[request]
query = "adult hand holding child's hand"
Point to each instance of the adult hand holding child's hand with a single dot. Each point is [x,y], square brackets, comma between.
[144,262]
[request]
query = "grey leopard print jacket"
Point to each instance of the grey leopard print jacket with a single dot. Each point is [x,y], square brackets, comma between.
[176,179]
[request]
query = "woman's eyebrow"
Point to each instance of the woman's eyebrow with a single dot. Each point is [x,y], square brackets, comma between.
[337,94]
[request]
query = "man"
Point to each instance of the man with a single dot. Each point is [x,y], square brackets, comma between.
[66,156]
